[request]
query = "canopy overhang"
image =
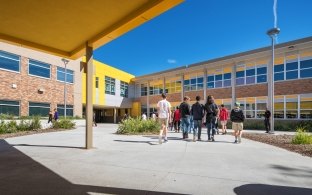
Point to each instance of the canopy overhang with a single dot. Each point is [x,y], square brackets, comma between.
[63,28]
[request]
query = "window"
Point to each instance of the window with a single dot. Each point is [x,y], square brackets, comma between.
[292,106]
[96,82]
[251,74]
[69,110]
[291,69]
[306,67]
[143,90]
[193,82]
[279,72]
[9,61]
[155,89]
[261,105]
[250,107]
[219,78]
[40,69]
[39,109]
[306,106]
[124,89]
[279,107]
[9,107]
[174,86]
[61,75]
[109,85]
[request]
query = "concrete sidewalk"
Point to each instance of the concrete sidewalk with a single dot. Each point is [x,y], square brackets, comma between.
[55,163]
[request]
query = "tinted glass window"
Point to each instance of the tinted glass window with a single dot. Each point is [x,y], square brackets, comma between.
[9,61]
[261,79]
[306,64]
[227,83]
[210,78]
[240,74]
[193,81]
[279,76]
[39,69]
[240,81]
[262,70]
[250,80]
[200,80]
[306,73]
[227,76]
[186,82]
[250,72]
[9,107]
[210,85]
[61,75]
[219,77]
[218,84]
[279,68]
[292,66]
[40,109]
[292,75]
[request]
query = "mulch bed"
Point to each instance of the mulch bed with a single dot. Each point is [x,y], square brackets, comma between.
[282,141]
[23,133]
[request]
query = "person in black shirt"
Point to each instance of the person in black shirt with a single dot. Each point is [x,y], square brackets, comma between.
[185,113]
[237,118]
[267,116]
[197,112]
[212,113]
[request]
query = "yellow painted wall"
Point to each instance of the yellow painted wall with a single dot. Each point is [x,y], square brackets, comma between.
[136,109]
[101,70]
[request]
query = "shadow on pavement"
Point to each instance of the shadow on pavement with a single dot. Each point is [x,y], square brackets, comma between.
[138,142]
[262,189]
[20,174]
[48,146]
[294,172]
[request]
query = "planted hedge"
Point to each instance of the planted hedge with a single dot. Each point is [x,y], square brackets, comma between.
[138,126]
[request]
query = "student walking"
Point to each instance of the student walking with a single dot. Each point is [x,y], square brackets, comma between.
[56,116]
[223,118]
[50,117]
[94,121]
[163,107]
[197,112]
[176,119]
[267,116]
[237,118]
[212,113]
[144,117]
[185,113]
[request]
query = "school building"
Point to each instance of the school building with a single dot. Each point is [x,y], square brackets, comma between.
[32,83]
[241,77]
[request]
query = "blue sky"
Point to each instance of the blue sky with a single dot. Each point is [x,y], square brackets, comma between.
[199,30]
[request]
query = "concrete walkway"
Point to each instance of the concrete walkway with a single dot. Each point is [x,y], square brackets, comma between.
[55,163]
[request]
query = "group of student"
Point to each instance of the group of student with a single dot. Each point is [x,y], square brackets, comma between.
[192,117]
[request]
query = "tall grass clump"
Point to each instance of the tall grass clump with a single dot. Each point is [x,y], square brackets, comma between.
[302,137]
[63,124]
[138,126]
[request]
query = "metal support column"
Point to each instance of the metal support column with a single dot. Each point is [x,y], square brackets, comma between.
[115,115]
[89,98]
[205,85]
[182,87]
[233,84]
[147,100]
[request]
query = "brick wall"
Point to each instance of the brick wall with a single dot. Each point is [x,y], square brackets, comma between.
[27,88]
[252,90]
[293,87]
[220,93]
[193,94]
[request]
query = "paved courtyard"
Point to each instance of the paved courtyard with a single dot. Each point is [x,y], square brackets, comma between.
[55,163]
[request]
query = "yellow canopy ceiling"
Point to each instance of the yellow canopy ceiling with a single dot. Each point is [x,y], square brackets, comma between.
[63,27]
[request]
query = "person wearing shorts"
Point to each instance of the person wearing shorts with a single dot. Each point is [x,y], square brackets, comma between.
[163,107]
[223,116]
[237,118]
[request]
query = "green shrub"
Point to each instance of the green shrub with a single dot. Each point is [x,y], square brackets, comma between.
[35,123]
[24,126]
[302,137]
[6,117]
[3,127]
[63,124]
[138,126]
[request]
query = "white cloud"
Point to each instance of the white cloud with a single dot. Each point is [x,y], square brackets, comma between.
[171,61]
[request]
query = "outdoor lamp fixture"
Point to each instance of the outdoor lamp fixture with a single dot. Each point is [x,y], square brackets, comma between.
[65,61]
[272,33]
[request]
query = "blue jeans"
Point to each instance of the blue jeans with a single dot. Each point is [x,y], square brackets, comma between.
[211,129]
[191,124]
[197,128]
[185,124]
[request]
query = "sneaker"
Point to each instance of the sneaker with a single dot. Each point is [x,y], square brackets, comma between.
[213,139]
[198,139]
[209,139]
[235,142]
[239,140]
[160,140]
[166,140]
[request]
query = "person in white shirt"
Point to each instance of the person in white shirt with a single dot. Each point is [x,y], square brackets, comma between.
[154,117]
[144,117]
[163,107]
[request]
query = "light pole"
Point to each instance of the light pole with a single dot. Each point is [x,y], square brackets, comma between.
[65,61]
[272,33]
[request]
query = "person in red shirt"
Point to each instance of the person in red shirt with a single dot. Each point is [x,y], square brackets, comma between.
[223,116]
[176,119]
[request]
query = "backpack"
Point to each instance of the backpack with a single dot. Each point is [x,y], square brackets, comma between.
[212,109]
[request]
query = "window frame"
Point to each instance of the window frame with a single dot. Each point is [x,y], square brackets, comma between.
[29,63]
[19,61]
